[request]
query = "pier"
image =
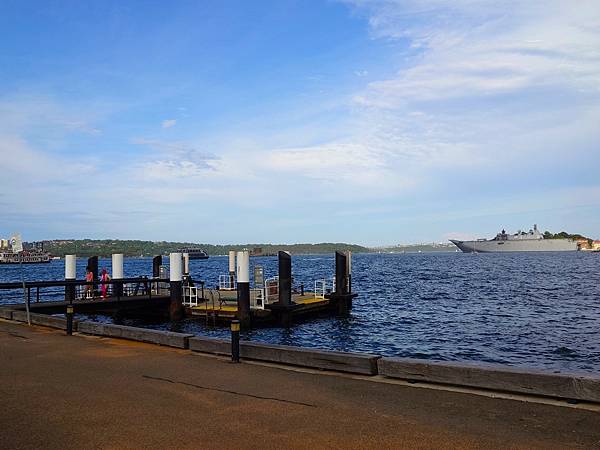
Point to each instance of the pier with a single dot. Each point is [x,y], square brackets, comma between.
[271,301]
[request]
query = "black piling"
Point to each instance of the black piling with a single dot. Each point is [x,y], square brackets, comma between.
[243,288]
[342,295]
[283,308]
[156,263]
[285,279]
[70,292]
[243,301]
[176,306]
[235,341]
[93,267]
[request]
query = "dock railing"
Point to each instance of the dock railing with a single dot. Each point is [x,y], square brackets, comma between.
[320,289]
[271,290]
[257,298]
[225,283]
[190,295]
[51,290]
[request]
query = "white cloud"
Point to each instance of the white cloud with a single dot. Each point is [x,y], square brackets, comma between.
[494,85]
[168,123]
[466,49]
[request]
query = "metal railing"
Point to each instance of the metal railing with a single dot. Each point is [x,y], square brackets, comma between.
[257,298]
[226,283]
[39,291]
[271,290]
[320,288]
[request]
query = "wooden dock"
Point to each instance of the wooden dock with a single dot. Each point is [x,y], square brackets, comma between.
[222,307]
[100,305]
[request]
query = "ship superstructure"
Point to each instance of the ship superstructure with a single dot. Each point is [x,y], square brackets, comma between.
[194,252]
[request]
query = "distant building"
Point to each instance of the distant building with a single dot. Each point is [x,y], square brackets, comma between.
[584,244]
[595,245]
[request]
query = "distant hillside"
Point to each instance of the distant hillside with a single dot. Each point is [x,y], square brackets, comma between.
[92,247]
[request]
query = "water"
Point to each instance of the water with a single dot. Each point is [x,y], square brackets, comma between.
[530,309]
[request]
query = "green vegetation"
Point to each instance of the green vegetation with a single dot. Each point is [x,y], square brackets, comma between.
[565,235]
[91,247]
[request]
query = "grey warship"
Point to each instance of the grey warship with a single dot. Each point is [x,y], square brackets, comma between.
[533,241]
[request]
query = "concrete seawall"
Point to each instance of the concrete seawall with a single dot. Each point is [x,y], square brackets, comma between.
[494,377]
[43,320]
[297,356]
[167,338]
[582,387]
[359,363]
[210,345]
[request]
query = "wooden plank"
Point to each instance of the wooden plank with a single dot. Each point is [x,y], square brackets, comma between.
[499,378]
[319,359]
[167,338]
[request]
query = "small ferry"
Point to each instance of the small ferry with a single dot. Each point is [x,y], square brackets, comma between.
[194,252]
[33,254]
[7,256]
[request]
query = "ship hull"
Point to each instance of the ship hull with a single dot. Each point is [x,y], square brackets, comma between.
[525,245]
[25,262]
[198,256]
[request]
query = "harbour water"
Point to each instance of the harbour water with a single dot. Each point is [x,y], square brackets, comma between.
[523,309]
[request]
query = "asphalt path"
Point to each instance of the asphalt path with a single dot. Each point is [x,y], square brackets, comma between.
[60,392]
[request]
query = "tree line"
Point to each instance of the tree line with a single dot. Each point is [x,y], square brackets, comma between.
[106,247]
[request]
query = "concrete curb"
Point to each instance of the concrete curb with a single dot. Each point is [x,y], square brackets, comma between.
[43,320]
[166,338]
[363,364]
[210,345]
[359,363]
[499,378]
[6,313]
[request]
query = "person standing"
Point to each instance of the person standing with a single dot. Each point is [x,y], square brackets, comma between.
[89,288]
[104,278]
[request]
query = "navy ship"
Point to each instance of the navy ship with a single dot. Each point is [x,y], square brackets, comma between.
[532,241]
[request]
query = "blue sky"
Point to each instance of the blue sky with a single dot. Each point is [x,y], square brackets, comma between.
[375,122]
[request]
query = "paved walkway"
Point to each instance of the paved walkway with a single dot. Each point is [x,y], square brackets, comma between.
[59,392]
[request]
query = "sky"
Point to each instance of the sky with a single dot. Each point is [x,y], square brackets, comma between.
[363,121]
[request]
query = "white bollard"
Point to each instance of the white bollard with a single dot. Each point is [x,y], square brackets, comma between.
[175,266]
[231,261]
[70,274]
[70,267]
[186,263]
[243,267]
[117,266]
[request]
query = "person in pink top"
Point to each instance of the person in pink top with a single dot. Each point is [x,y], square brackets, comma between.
[89,288]
[104,278]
